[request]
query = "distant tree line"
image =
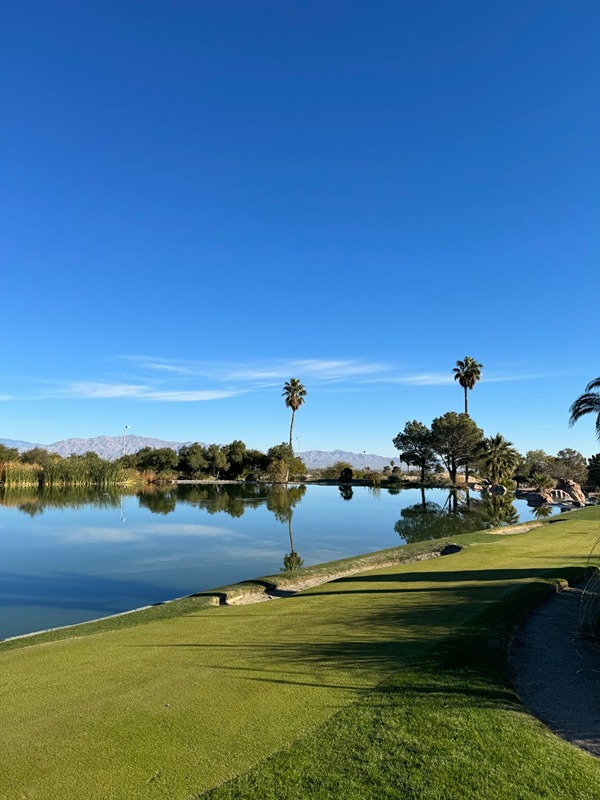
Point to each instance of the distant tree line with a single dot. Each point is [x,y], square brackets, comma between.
[455,441]
[193,462]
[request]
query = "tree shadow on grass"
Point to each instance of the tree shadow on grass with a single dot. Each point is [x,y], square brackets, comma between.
[453,576]
[377,636]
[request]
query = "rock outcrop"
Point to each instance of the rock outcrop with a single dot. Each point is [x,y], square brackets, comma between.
[537,498]
[573,490]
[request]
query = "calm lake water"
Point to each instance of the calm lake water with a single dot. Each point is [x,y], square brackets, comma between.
[78,554]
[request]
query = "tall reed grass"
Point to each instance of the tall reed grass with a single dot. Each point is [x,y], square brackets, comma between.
[13,473]
[70,471]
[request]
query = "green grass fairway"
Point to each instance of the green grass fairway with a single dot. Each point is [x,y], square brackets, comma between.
[388,684]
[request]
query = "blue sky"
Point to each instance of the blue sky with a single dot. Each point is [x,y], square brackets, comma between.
[201,200]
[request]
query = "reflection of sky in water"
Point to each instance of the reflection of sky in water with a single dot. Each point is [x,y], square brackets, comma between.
[69,564]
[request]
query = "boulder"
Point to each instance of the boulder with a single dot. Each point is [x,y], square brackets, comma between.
[538,498]
[573,490]
[545,495]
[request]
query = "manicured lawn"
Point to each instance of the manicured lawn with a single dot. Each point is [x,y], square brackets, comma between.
[386,684]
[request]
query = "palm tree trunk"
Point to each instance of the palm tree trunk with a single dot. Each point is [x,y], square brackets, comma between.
[467,413]
[292,425]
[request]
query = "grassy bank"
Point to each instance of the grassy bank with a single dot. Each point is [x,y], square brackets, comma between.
[385,684]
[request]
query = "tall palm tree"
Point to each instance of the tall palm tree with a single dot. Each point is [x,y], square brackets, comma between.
[587,403]
[467,373]
[294,393]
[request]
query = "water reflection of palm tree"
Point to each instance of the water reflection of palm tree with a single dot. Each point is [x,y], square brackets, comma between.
[291,560]
[282,500]
[499,509]
[426,520]
[542,512]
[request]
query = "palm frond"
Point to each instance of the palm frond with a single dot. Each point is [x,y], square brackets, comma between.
[587,403]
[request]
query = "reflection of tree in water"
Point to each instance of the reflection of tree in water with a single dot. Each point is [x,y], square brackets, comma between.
[497,510]
[291,561]
[34,500]
[282,500]
[160,501]
[346,491]
[541,512]
[233,499]
[427,520]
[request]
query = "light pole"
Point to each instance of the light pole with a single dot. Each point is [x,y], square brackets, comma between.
[124,432]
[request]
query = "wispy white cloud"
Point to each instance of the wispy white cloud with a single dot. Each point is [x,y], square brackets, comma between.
[424,379]
[260,372]
[526,376]
[185,381]
[446,379]
[101,391]
[163,380]
[190,396]
[5,397]
[96,390]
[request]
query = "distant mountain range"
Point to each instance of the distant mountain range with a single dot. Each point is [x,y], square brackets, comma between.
[109,447]
[325,458]
[112,447]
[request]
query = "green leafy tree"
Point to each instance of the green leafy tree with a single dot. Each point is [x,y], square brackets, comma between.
[281,462]
[416,447]
[335,470]
[467,373]
[455,439]
[593,468]
[38,455]
[497,457]
[587,403]
[570,465]
[535,461]
[256,464]
[8,453]
[216,460]
[278,471]
[161,459]
[235,453]
[192,461]
[294,394]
